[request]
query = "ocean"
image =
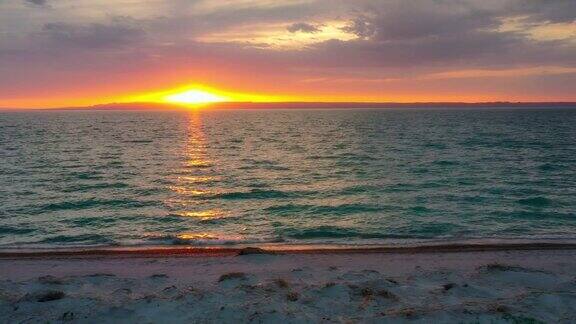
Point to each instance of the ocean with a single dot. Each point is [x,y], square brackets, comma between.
[346,177]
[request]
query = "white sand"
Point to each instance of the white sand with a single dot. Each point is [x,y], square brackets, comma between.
[437,287]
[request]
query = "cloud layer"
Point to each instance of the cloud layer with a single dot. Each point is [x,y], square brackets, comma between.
[63,51]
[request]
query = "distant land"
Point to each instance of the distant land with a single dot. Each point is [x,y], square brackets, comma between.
[314,105]
[321,105]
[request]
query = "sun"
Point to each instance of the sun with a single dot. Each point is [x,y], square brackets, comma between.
[194,96]
[198,96]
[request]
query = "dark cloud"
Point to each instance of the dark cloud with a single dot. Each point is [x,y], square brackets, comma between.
[556,11]
[230,16]
[361,26]
[412,20]
[41,3]
[303,27]
[120,32]
[447,33]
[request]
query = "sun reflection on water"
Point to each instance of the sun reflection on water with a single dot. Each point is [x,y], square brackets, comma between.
[187,191]
[204,215]
[198,163]
[196,236]
[196,181]
[196,155]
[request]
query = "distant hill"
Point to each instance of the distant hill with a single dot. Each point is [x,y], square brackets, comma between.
[321,105]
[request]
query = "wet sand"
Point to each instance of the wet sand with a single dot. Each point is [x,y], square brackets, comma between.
[278,249]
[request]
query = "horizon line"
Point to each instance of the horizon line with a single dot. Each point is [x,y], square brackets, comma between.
[301,104]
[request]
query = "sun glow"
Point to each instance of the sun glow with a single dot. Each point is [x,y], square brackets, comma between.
[199,96]
[194,96]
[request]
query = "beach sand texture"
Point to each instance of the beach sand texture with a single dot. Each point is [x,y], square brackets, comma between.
[473,287]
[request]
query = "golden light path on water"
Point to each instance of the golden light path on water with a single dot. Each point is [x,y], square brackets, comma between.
[192,186]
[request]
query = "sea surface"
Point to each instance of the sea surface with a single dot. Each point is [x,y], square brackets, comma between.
[389,176]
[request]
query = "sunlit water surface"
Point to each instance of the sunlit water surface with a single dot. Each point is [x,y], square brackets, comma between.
[73,178]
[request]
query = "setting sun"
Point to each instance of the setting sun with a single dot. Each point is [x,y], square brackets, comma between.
[194,97]
[197,95]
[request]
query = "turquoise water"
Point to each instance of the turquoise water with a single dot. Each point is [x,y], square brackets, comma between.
[78,178]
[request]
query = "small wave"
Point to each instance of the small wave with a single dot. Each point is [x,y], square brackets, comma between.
[138,141]
[109,156]
[256,194]
[259,162]
[91,239]
[420,170]
[420,209]
[536,202]
[331,232]
[100,222]
[96,186]
[400,187]
[433,229]
[322,157]
[91,203]
[148,191]
[16,231]
[438,146]
[535,215]
[88,176]
[445,163]
[113,164]
[427,230]
[288,209]
[353,163]
[270,167]
[343,209]
[200,239]
[357,157]
[251,164]
[359,189]
[551,167]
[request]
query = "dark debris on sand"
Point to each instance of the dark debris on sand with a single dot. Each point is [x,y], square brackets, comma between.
[232,275]
[49,296]
[253,250]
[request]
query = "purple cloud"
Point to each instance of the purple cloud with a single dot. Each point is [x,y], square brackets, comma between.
[303,27]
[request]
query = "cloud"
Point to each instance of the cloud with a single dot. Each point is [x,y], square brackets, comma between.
[557,11]
[386,33]
[404,20]
[361,26]
[303,27]
[442,34]
[120,32]
[41,3]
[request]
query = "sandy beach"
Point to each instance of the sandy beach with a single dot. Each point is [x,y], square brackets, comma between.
[293,286]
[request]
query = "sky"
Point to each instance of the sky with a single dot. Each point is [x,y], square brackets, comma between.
[58,53]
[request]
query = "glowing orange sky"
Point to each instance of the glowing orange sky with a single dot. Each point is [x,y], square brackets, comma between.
[77,53]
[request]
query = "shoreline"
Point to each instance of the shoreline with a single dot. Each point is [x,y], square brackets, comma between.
[274,249]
